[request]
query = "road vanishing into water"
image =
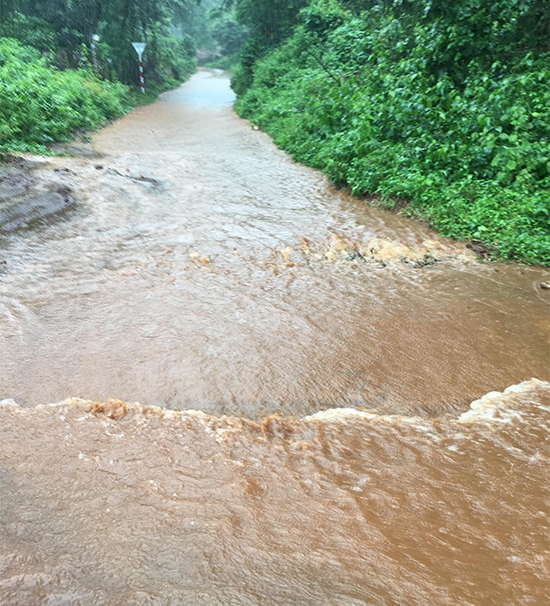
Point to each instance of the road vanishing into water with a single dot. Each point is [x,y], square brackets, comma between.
[197,268]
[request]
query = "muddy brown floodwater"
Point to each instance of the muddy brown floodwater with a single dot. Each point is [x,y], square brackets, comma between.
[305,366]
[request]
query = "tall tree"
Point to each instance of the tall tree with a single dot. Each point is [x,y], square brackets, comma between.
[118,22]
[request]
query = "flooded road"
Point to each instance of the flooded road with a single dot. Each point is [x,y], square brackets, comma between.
[198,268]
[174,291]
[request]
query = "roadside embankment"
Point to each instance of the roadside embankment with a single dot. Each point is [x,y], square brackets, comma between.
[40,105]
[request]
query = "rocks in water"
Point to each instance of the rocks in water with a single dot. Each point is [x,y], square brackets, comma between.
[27,199]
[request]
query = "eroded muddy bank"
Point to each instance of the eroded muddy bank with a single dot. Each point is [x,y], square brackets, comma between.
[31,199]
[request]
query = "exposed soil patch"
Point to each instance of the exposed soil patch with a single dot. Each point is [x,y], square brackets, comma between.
[483,251]
[79,147]
[13,182]
[26,201]
[382,251]
[27,213]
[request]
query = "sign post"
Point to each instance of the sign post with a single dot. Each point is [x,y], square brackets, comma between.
[95,40]
[140,47]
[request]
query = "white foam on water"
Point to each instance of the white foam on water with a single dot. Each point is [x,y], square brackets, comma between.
[502,407]
[493,408]
[341,414]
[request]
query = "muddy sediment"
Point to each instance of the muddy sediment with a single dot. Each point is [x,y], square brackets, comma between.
[118,503]
[205,269]
[29,200]
[313,427]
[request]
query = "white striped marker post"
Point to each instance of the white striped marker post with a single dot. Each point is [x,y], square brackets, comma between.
[141,77]
[140,47]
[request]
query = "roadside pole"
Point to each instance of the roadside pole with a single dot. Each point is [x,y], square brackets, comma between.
[140,47]
[95,40]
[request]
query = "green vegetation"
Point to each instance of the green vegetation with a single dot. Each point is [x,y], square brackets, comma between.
[442,105]
[40,104]
[218,35]
[56,79]
[64,30]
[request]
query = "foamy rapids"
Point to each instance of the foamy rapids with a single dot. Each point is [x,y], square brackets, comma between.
[494,407]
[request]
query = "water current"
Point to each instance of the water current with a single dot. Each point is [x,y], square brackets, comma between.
[201,272]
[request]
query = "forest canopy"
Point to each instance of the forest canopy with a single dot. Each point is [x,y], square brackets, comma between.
[63,30]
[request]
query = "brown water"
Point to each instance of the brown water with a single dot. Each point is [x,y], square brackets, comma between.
[342,508]
[203,269]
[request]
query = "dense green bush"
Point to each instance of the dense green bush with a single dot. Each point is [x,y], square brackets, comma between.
[376,100]
[30,31]
[39,104]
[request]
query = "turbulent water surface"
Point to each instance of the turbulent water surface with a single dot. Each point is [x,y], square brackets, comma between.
[190,265]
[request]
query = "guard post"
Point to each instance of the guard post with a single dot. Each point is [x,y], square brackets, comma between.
[140,47]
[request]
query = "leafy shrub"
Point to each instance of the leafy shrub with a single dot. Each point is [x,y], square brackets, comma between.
[243,75]
[30,31]
[39,104]
[372,100]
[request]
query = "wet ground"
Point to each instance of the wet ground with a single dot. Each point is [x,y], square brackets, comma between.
[27,202]
[203,268]
[185,262]
[114,504]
